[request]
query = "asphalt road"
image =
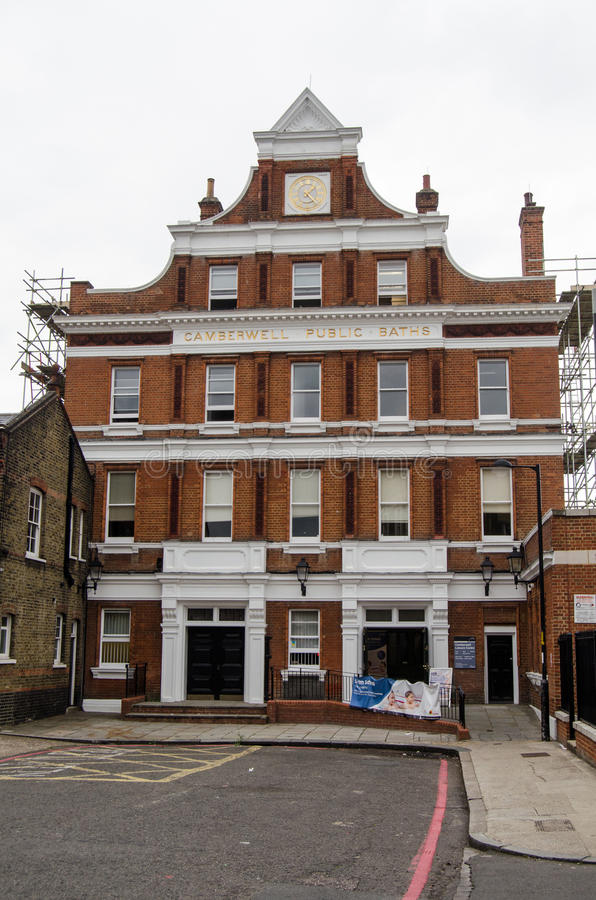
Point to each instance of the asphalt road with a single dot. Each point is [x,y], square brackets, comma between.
[500,876]
[231,822]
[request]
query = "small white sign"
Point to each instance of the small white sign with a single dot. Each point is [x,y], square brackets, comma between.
[444,677]
[584,608]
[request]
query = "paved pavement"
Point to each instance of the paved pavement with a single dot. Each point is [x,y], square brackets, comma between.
[525,796]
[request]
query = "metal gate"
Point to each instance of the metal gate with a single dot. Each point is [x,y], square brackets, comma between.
[566,677]
[585,662]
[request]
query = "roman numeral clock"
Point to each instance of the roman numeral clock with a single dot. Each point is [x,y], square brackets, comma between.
[307,193]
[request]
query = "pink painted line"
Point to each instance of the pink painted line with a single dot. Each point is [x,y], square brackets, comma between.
[26,755]
[424,858]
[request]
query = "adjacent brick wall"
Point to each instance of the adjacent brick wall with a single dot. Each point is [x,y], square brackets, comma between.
[35,591]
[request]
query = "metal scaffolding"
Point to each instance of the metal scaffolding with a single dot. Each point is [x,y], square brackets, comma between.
[577,365]
[42,348]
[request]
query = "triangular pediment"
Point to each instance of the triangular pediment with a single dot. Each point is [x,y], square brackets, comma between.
[307,113]
[307,130]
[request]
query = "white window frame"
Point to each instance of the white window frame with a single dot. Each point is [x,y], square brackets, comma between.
[116,417]
[82,556]
[297,298]
[300,391]
[404,474]
[72,553]
[5,636]
[381,390]
[59,640]
[109,506]
[502,473]
[502,388]
[400,291]
[295,476]
[122,638]
[215,408]
[230,506]
[226,296]
[315,667]
[34,524]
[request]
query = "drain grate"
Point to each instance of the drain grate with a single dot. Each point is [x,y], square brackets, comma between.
[554,825]
[532,755]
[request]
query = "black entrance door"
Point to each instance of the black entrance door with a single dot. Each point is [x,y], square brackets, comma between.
[499,663]
[216,662]
[396,653]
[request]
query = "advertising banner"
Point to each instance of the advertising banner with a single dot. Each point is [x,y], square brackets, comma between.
[399,697]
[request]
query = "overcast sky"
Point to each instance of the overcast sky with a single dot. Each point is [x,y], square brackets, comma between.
[115,114]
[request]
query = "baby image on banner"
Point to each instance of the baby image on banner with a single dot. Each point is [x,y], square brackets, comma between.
[404,698]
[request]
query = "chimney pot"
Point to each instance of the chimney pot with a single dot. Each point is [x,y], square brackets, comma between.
[532,241]
[427,200]
[210,205]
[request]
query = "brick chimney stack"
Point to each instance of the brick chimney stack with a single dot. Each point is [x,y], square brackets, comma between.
[427,200]
[532,243]
[210,205]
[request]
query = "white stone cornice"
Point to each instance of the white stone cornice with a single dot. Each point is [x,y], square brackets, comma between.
[212,238]
[475,313]
[157,454]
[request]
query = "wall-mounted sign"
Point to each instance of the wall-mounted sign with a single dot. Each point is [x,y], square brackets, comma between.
[464,653]
[288,336]
[584,608]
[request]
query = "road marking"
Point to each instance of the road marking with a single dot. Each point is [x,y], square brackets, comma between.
[156,765]
[423,860]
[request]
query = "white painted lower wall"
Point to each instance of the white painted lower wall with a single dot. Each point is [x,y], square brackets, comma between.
[375,573]
[102,706]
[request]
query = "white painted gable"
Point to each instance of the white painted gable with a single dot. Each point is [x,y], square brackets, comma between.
[307,130]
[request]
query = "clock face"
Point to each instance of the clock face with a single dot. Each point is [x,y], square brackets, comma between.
[307,194]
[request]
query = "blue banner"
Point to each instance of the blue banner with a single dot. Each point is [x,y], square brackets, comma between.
[400,697]
[367,691]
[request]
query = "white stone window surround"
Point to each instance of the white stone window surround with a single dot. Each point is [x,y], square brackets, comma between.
[220,383]
[393,491]
[125,395]
[304,640]
[394,610]
[306,391]
[74,541]
[218,497]
[493,389]
[82,555]
[389,287]
[34,514]
[305,496]
[120,497]
[495,495]
[307,284]
[392,390]
[215,620]
[59,642]
[5,639]
[113,644]
[223,286]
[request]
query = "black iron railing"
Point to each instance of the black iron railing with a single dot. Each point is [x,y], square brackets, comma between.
[315,684]
[309,684]
[136,680]
[585,671]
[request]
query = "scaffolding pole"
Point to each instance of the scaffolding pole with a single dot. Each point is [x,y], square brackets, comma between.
[42,346]
[577,369]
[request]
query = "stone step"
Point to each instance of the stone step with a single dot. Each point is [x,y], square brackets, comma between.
[200,718]
[192,708]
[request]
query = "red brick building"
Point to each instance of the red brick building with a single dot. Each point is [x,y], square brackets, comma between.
[313,376]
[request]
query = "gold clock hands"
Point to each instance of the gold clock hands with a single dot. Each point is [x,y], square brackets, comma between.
[308,194]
